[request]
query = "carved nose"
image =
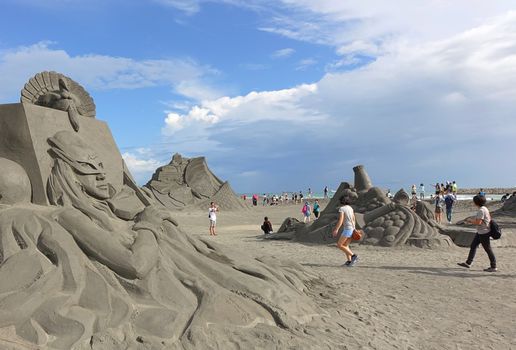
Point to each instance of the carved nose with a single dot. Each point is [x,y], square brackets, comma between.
[101,176]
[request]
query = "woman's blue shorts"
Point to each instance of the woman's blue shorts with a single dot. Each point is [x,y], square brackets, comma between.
[347,233]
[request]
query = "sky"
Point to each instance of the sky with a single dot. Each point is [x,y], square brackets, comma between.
[285,95]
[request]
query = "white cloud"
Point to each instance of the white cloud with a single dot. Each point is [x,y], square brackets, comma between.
[429,110]
[95,71]
[283,53]
[255,106]
[140,166]
[306,63]
[197,90]
[189,7]
[372,27]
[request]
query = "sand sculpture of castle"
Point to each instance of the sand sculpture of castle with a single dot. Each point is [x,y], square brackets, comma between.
[87,262]
[188,182]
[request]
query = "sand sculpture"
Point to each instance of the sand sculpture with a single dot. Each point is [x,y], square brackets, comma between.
[385,222]
[188,182]
[85,263]
[509,206]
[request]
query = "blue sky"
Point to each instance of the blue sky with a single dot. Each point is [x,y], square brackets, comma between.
[285,95]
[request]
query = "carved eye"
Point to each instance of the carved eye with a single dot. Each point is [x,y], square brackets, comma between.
[87,166]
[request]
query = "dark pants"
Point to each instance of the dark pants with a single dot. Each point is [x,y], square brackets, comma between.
[483,239]
[316,213]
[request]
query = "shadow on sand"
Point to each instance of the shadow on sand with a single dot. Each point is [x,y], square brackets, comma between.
[433,271]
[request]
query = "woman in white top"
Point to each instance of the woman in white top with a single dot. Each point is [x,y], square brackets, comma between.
[212,215]
[482,220]
[347,221]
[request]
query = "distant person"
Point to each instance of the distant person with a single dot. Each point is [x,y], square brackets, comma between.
[449,201]
[439,205]
[317,209]
[300,197]
[454,188]
[413,202]
[212,215]
[309,192]
[255,200]
[482,220]
[482,193]
[294,196]
[264,199]
[307,212]
[325,191]
[266,226]
[421,191]
[347,221]
[413,191]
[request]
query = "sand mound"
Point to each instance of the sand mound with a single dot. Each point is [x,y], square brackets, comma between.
[189,183]
[94,267]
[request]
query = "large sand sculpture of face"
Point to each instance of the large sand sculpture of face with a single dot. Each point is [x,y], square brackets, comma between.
[84,161]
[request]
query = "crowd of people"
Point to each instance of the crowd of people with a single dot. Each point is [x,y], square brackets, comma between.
[285,198]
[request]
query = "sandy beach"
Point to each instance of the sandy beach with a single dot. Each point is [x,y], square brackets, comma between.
[394,298]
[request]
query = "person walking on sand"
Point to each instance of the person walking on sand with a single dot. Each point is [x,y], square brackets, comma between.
[347,221]
[212,215]
[439,204]
[449,200]
[317,209]
[325,192]
[482,220]
[307,212]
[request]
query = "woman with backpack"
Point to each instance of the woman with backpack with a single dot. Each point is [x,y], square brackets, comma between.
[307,212]
[347,222]
[482,220]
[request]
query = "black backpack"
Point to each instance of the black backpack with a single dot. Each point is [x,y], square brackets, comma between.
[495,230]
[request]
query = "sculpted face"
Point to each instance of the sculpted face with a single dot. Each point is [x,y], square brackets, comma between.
[85,162]
[92,177]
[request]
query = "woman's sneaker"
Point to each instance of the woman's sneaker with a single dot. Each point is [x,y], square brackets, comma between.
[354,260]
[491,269]
[463,264]
[346,264]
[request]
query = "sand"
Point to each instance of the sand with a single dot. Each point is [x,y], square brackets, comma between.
[394,298]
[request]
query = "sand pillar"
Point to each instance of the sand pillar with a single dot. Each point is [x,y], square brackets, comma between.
[362,180]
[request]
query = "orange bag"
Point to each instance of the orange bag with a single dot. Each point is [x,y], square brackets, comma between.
[357,235]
